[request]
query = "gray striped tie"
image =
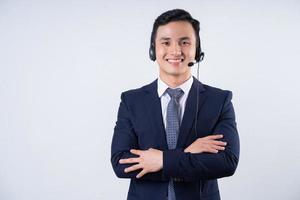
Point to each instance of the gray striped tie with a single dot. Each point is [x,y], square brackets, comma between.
[172,128]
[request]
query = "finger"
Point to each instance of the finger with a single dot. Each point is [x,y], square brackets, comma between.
[219,143]
[129,160]
[142,173]
[135,151]
[214,137]
[132,168]
[218,147]
[211,150]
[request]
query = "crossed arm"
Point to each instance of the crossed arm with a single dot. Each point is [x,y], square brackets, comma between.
[205,158]
[151,160]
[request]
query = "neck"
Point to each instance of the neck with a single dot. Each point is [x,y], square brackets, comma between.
[174,81]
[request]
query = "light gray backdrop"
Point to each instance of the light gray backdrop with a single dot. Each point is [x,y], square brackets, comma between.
[64,64]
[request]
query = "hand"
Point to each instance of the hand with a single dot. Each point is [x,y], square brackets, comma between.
[150,160]
[208,144]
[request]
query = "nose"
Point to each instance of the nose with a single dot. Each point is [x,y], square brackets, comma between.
[175,50]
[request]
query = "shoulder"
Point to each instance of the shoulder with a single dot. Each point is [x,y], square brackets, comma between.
[219,94]
[216,91]
[137,93]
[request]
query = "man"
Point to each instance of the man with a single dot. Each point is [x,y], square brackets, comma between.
[176,136]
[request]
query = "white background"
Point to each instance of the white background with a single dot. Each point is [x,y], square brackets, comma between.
[64,64]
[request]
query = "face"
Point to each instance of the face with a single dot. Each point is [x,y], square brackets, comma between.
[175,46]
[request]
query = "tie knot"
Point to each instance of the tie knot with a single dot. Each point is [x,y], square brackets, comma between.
[175,93]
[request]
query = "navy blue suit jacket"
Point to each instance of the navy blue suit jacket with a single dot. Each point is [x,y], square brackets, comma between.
[140,126]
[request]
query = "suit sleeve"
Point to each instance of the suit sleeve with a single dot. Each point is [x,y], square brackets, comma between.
[124,139]
[205,166]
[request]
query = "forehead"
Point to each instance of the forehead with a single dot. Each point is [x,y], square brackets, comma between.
[175,30]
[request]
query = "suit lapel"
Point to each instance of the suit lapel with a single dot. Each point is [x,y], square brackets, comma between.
[190,112]
[153,107]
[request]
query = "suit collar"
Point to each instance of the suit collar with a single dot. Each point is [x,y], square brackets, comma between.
[152,87]
[162,86]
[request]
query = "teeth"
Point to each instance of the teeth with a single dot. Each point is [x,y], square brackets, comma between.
[174,60]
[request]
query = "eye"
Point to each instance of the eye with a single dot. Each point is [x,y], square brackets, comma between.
[185,42]
[166,43]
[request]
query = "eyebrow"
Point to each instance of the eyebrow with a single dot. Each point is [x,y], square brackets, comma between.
[167,38]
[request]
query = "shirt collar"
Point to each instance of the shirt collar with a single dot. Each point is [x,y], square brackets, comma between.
[162,86]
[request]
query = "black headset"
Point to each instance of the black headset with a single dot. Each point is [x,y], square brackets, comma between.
[198,56]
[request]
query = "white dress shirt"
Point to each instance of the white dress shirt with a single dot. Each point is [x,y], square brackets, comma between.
[165,98]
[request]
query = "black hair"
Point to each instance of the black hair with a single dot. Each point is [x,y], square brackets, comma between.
[171,16]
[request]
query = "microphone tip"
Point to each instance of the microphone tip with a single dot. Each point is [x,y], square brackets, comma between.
[190,64]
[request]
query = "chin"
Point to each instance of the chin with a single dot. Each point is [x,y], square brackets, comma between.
[175,72]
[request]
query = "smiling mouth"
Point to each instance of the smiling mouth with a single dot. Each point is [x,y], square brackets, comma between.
[175,61]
